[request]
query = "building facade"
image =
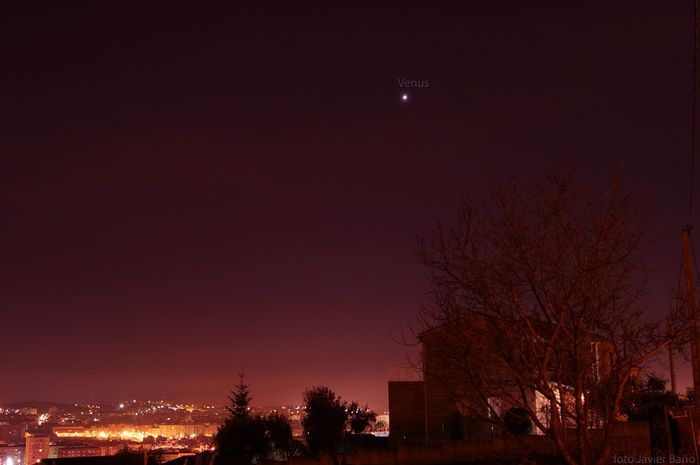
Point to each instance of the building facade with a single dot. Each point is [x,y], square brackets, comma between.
[36,448]
[444,405]
[11,455]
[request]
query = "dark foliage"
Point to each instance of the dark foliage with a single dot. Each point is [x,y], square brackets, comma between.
[366,441]
[243,439]
[360,418]
[324,424]
[517,422]
[643,397]
[330,421]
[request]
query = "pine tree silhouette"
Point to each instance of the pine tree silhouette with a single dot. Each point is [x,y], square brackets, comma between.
[240,400]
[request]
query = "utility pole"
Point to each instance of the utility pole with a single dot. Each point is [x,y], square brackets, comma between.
[690,302]
[672,368]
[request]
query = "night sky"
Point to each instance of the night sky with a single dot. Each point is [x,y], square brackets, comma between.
[188,192]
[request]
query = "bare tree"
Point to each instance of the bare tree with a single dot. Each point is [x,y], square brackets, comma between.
[536,311]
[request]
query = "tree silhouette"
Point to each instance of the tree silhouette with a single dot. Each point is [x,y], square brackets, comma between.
[245,439]
[360,418]
[324,423]
[279,435]
[642,397]
[517,422]
[536,304]
[240,399]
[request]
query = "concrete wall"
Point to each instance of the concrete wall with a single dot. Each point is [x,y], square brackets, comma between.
[441,405]
[407,411]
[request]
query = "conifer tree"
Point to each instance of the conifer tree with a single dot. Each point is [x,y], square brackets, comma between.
[240,401]
[243,439]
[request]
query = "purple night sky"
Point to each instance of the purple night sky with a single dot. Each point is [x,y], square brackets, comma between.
[186,192]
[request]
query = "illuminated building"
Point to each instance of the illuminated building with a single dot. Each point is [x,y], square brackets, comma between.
[11,455]
[136,432]
[12,433]
[79,451]
[36,448]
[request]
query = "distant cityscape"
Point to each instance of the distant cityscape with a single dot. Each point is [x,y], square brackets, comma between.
[32,431]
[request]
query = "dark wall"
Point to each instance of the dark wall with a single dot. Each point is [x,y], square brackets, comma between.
[407,411]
